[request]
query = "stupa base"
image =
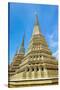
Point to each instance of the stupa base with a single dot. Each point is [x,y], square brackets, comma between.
[36,82]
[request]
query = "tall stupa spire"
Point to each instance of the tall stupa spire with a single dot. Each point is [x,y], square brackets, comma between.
[36,20]
[36,26]
[22,49]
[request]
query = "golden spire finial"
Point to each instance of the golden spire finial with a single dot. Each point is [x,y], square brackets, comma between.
[36,20]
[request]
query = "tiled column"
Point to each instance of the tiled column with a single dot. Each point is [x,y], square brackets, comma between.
[30,72]
[24,73]
[45,72]
[35,72]
[39,72]
[27,73]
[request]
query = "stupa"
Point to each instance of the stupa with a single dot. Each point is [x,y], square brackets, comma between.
[37,66]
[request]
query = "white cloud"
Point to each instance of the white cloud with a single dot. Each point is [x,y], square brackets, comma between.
[55,54]
[52,42]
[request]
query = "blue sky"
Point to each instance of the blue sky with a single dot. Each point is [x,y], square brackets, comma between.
[22,18]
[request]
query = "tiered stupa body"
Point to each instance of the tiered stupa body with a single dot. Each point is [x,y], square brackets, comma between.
[38,62]
[17,60]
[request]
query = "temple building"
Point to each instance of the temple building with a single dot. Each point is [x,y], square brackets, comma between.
[35,67]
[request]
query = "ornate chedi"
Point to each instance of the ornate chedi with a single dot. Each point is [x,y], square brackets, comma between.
[16,60]
[37,66]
